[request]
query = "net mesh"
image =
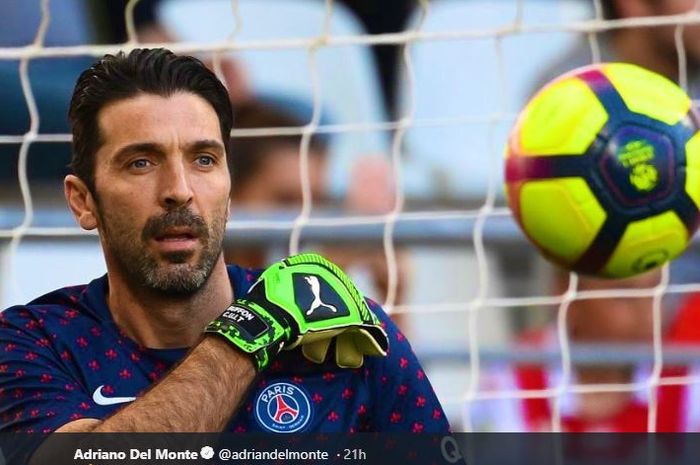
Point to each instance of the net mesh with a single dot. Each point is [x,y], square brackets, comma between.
[440,221]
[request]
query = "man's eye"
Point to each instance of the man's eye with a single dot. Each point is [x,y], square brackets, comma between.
[140,163]
[205,160]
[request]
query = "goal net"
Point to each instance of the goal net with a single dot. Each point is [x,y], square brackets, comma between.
[412,196]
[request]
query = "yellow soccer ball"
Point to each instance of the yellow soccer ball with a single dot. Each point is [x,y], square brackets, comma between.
[603,170]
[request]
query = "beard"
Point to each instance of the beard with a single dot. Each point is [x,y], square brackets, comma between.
[171,274]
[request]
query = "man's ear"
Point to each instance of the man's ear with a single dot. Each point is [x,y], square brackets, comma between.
[81,202]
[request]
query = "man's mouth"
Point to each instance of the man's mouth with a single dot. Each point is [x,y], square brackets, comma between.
[177,235]
[176,239]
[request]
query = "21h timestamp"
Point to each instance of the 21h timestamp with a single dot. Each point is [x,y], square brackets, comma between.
[353,454]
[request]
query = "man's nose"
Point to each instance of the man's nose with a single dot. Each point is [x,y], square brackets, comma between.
[177,189]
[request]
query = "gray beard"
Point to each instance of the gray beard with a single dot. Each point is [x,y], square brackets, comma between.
[172,277]
[177,279]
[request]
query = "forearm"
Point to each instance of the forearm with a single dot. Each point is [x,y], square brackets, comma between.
[200,394]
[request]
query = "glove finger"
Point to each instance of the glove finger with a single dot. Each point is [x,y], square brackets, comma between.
[313,336]
[316,351]
[370,340]
[347,354]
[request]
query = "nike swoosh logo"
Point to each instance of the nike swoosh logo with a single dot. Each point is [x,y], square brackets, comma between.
[99,399]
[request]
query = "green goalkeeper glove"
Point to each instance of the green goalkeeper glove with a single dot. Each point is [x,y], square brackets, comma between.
[303,300]
[351,346]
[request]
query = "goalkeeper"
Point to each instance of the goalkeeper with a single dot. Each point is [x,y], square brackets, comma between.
[171,339]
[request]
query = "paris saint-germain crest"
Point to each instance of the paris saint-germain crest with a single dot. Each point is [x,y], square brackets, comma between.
[283,408]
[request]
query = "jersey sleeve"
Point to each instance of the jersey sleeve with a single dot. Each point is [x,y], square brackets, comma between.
[404,399]
[37,392]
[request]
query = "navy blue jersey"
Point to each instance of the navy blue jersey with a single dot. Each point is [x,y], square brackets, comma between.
[62,358]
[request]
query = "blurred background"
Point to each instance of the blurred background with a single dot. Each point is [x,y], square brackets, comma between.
[392,117]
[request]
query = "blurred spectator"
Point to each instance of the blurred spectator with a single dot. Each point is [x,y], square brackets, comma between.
[265,169]
[266,176]
[652,47]
[608,320]
[387,16]
[111,15]
[112,19]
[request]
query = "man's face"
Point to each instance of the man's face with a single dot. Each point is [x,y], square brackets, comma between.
[614,319]
[162,188]
[666,35]
[277,183]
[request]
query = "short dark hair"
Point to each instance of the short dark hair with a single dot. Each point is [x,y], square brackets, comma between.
[609,9]
[116,77]
[248,153]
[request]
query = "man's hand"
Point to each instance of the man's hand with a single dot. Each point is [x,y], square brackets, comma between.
[303,300]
